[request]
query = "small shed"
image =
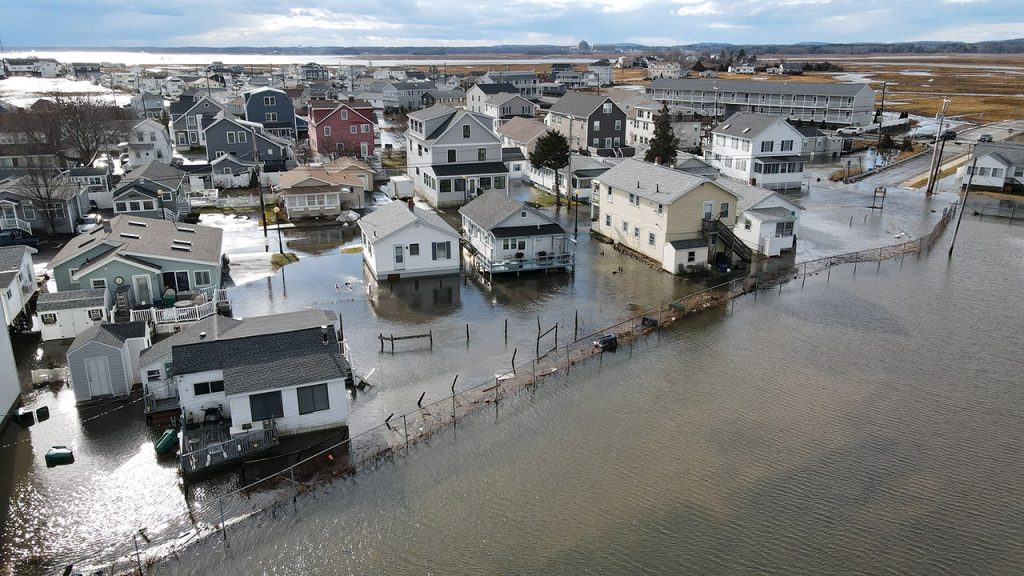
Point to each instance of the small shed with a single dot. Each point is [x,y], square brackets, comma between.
[67,314]
[103,360]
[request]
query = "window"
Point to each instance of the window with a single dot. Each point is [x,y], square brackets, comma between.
[182,139]
[313,398]
[414,249]
[618,125]
[271,116]
[98,283]
[465,130]
[96,314]
[327,131]
[147,205]
[441,250]
[269,101]
[120,207]
[344,114]
[983,171]
[485,182]
[650,238]
[202,277]
[597,142]
[625,227]
[636,232]
[606,108]
[177,280]
[49,318]
[661,208]
[231,137]
[353,129]
[725,210]
[767,146]
[153,376]
[787,145]
[597,125]
[783,229]
[202,388]
[481,154]
[460,184]
[451,155]
[190,121]
[746,224]
[499,182]
[266,406]
[607,219]
[446,185]
[691,256]
[365,128]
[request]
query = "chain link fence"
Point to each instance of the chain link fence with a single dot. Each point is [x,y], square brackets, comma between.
[318,466]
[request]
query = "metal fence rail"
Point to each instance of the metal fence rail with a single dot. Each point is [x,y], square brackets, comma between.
[394,437]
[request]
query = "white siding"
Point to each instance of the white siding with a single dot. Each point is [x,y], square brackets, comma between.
[293,422]
[192,405]
[381,255]
[10,389]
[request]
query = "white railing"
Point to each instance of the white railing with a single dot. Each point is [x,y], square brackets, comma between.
[175,315]
[15,224]
[205,197]
[170,215]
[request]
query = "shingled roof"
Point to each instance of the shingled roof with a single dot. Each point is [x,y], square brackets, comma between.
[394,216]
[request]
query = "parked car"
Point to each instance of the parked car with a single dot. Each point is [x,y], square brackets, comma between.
[848,131]
[985,138]
[949,135]
[88,223]
[17,237]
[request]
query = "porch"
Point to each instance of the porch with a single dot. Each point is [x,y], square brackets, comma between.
[488,266]
[188,309]
[10,221]
[210,446]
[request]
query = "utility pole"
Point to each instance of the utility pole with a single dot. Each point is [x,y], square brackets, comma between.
[881,117]
[568,170]
[963,203]
[936,151]
[259,182]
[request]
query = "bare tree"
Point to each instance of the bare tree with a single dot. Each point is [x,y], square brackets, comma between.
[76,127]
[47,188]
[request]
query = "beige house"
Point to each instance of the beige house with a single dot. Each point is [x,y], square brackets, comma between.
[325,190]
[661,213]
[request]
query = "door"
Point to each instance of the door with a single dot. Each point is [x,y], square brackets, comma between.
[472,187]
[143,290]
[709,210]
[363,149]
[97,372]
[399,258]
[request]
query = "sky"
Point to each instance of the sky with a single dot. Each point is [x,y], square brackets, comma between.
[219,23]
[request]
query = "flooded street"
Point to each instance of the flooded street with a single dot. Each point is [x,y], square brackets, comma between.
[864,423]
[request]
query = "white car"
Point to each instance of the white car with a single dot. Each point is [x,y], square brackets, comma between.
[88,223]
[848,131]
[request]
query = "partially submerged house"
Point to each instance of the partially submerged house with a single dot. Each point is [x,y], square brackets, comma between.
[313,191]
[17,284]
[403,241]
[758,149]
[505,235]
[768,222]
[67,314]
[153,190]
[103,360]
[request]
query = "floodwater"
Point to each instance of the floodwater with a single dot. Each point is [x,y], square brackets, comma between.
[865,423]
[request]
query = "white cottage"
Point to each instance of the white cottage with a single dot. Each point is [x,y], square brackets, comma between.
[400,240]
[767,222]
[67,314]
[17,282]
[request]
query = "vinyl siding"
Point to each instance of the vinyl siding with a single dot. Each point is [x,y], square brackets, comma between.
[115,361]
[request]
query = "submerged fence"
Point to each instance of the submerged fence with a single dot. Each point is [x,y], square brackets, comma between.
[321,465]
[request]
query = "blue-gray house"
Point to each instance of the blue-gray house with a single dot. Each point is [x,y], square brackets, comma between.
[273,109]
[247,141]
[154,190]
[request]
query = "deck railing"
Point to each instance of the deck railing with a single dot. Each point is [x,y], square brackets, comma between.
[525,264]
[230,451]
[15,223]
[174,315]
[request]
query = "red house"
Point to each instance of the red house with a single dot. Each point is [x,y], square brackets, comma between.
[341,128]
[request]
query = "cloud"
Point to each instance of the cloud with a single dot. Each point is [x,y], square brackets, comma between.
[697,9]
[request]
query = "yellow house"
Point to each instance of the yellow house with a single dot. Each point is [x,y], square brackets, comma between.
[664,214]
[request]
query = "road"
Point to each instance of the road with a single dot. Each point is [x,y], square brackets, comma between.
[954,150]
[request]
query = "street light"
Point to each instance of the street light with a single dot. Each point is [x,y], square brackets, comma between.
[277,220]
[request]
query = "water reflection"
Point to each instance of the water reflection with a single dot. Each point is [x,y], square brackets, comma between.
[414,300]
[318,240]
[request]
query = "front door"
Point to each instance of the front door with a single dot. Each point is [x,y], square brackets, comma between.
[472,187]
[399,258]
[363,149]
[97,371]
[143,290]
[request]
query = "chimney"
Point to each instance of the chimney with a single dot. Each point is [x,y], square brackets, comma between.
[412,205]
[323,331]
[351,98]
[637,184]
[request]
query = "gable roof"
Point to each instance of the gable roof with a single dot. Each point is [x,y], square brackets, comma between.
[522,129]
[109,333]
[394,216]
[53,301]
[432,112]
[579,104]
[655,182]
[492,207]
[346,162]
[11,257]
[497,88]
[137,236]
[747,125]
[62,187]
[1011,154]
[163,174]
[319,175]
[747,196]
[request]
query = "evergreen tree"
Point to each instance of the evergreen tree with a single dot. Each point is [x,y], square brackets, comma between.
[887,142]
[907,144]
[551,151]
[664,144]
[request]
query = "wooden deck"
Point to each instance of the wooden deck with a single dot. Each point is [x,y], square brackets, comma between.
[210,447]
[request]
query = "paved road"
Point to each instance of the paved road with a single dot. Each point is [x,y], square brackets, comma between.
[954,149]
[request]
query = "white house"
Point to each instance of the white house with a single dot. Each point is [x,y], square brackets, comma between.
[506,235]
[1000,167]
[288,370]
[17,282]
[601,72]
[504,107]
[742,69]
[453,155]
[97,184]
[477,95]
[149,141]
[758,149]
[67,314]
[582,171]
[10,386]
[524,81]
[661,213]
[400,240]
[664,70]
[640,126]
[767,222]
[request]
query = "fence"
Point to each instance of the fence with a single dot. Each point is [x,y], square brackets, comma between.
[322,464]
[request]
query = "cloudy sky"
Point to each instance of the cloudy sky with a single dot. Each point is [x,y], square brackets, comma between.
[116,23]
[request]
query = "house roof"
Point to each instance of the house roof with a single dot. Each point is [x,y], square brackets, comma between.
[808,131]
[491,208]
[746,125]
[579,104]
[315,176]
[53,301]
[394,216]
[688,244]
[513,154]
[1010,153]
[758,86]
[773,213]
[516,231]
[497,88]
[748,196]
[109,333]
[345,162]
[212,326]
[470,169]
[87,171]
[258,353]
[164,174]
[229,157]
[62,187]
[137,236]
[523,130]
[11,257]
[655,182]
[435,111]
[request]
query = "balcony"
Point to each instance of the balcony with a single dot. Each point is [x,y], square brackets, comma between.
[210,446]
[489,266]
[183,311]
[15,223]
